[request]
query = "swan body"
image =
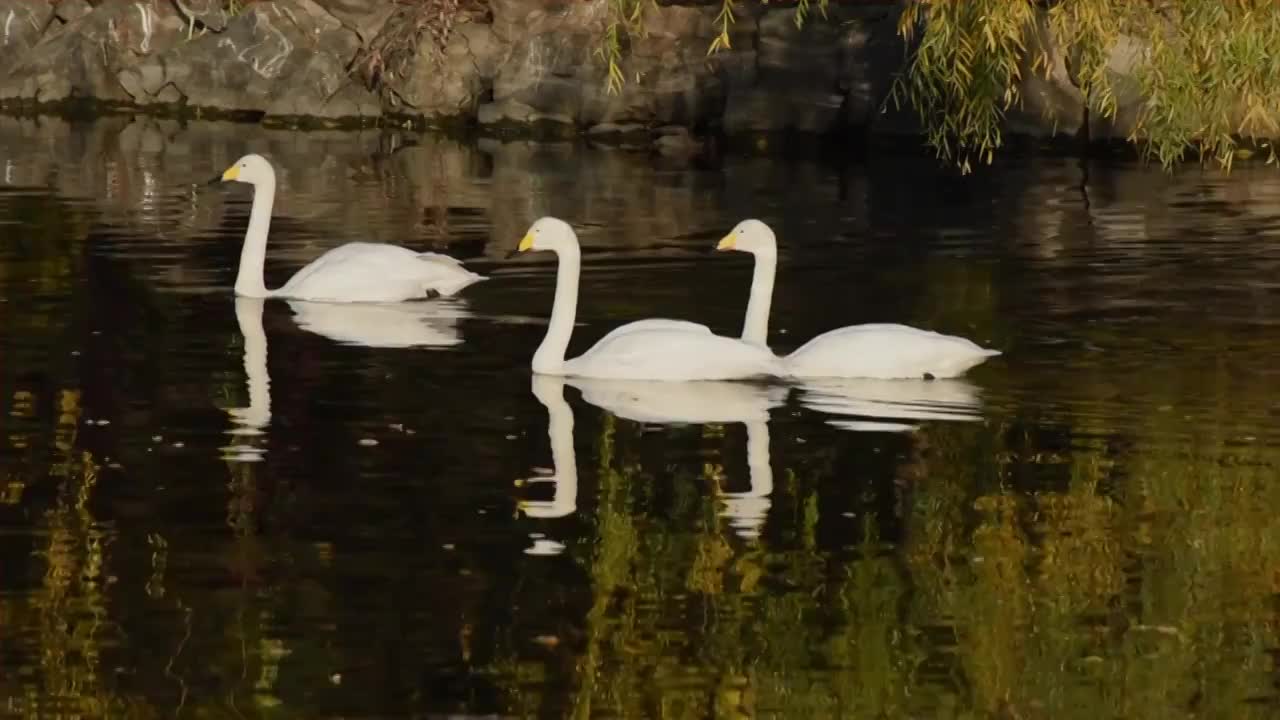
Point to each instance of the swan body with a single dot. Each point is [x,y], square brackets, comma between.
[885,351]
[655,349]
[875,350]
[355,272]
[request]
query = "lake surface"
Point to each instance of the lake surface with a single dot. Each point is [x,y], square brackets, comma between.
[222,508]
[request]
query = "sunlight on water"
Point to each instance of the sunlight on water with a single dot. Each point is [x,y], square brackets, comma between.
[221,507]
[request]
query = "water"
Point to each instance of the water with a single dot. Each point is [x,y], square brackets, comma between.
[214,508]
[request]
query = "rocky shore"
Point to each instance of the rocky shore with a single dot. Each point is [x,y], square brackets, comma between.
[509,66]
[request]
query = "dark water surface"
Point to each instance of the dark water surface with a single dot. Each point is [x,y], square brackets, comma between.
[213,508]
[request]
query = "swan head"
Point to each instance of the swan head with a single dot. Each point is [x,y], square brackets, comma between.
[253,169]
[548,233]
[750,236]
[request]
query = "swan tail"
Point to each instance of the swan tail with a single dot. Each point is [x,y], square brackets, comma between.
[455,285]
[460,277]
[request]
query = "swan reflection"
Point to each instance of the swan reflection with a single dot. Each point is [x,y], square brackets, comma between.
[250,421]
[703,402]
[427,323]
[891,405]
[550,392]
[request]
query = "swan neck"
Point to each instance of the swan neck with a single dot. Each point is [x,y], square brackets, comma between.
[755,329]
[549,358]
[250,281]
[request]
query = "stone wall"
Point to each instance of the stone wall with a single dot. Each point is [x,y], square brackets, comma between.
[519,66]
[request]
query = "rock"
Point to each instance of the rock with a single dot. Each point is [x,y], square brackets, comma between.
[211,14]
[449,83]
[675,141]
[1123,64]
[365,18]
[81,59]
[555,67]
[871,53]
[351,102]
[817,78]
[21,24]
[1051,104]
[287,57]
[69,11]
[512,111]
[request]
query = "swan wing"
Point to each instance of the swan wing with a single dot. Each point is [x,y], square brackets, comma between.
[655,324]
[887,351]
[376,272]
[674,354]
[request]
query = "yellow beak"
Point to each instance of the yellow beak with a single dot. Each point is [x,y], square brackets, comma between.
[526,243]
[232,173]
[726,243]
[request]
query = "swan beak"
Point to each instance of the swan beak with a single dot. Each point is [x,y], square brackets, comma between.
[232,173]
[727,243]
[526,243]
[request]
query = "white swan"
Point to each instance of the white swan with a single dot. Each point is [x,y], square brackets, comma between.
[875,350]
[355,272]
[699,403]
[655,349]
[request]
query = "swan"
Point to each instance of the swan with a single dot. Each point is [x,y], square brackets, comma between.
[355,272]
[655,349]
[875,350]
[700,403]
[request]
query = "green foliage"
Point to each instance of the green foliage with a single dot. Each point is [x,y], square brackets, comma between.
[1212,76]
[723,20]
[1203,69]
[1203,73]
[626,17]
[965,72]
